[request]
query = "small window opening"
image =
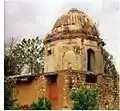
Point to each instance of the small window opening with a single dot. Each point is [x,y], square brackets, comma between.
[49,52]
[91,78]
[48,40]
[52,78]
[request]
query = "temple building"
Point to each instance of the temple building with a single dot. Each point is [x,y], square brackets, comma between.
[73,57]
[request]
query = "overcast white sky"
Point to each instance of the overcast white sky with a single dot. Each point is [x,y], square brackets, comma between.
[31,18]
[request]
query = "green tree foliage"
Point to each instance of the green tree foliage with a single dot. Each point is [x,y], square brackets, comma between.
[84,99]
[41,104]
[8,66]
[11,62]
[109,66]
[28,52]
[31,53]
[12,65]
[9,100]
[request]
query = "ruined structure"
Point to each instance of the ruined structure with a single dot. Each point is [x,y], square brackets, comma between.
[73,57]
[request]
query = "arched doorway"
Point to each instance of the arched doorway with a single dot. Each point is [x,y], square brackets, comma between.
[90,60]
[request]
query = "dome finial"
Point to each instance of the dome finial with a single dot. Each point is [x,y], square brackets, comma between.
[74,10]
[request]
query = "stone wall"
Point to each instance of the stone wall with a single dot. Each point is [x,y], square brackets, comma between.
[107,85]
[108,96]
[110,93]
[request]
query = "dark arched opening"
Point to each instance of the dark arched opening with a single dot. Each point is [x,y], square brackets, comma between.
[90,60]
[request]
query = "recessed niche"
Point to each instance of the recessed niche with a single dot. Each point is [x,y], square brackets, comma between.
[49,52]
[90,78]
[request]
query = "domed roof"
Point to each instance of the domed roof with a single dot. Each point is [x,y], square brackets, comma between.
[74,23]
[74,16]
[75,20]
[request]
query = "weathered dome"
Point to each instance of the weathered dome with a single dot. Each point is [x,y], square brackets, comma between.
[74,16]
[73,24]
[75,20]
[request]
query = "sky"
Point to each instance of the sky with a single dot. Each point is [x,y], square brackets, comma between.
[31,18]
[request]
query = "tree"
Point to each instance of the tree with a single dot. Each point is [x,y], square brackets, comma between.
[31,52]
[41,104]
[28,52]
[109,66]
[9,100]
[84,99]
[12,64]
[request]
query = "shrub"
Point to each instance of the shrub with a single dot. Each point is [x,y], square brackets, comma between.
[41,104]
[9,100]
[84,99]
